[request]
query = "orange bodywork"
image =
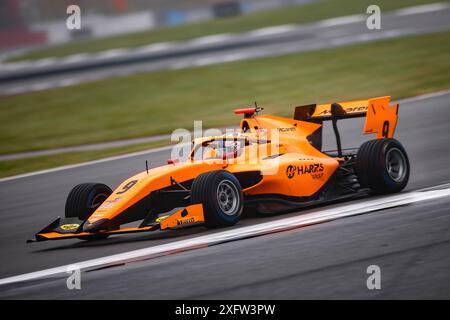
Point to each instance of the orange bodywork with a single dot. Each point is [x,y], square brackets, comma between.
[277,148]
[189,215]
[381,118]
[297,153]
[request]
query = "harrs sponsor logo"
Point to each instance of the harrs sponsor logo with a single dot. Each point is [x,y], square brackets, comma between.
[293,170]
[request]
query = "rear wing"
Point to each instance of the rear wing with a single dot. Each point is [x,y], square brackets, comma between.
[381,119]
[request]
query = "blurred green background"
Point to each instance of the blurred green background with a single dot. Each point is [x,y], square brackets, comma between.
[155,103]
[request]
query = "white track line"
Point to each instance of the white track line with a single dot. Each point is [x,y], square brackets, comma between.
[112,53]
[124,156]
[75,58]
[241,233]
[272,30]
[211,39]
[134,154]
[371,36]
[426,96]
[422,9]
[339,21]
[160,46]
[45,62]
[221,59]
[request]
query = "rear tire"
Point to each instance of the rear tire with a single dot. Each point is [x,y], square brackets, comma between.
[383,166]
[221,195]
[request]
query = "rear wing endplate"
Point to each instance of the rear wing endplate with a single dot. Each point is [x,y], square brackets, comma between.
[381,119]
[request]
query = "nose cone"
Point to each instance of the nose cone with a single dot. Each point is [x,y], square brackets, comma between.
[102,224]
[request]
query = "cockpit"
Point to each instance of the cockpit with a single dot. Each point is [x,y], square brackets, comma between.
[225,148]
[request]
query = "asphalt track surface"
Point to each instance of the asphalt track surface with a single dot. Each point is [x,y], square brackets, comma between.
[273,41]
[329,260]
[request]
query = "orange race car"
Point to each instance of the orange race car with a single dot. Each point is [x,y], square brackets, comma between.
[272,164]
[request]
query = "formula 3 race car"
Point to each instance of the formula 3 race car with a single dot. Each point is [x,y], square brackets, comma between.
[272,164]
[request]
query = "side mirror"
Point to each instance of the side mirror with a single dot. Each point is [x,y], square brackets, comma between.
[172,161]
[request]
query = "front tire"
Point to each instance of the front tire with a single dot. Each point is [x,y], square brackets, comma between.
[221,195]
[85,198]
[383,166]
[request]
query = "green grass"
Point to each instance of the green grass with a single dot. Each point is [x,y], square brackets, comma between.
[293,14]
[159,102]
[14,167]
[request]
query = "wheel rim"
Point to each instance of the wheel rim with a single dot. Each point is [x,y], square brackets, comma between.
[98,200]
[228,197]
[396,164]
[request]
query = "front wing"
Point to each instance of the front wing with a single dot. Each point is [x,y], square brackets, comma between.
[67,228]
